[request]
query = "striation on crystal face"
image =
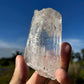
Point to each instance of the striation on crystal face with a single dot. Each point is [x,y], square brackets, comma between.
[43,44]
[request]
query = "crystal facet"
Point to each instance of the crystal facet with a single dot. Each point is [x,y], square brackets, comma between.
[43,44]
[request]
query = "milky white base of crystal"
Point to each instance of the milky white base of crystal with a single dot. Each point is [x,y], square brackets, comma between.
[44,63]
[43,71]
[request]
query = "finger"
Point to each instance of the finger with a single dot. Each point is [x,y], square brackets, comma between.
[65,55]
[21,71]
[36,79]
[53,82]
[62,77]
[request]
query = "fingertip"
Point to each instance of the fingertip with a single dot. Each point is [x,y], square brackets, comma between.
[66,43]
[66,47]
[18,59]
[62,76]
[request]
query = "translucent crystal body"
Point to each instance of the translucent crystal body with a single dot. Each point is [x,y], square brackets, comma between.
[43,44]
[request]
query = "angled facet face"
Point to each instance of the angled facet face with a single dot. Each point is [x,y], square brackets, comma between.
[42,51]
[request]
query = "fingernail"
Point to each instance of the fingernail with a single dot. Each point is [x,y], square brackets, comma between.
[66,48]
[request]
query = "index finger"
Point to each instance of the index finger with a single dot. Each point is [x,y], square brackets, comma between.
[65,55]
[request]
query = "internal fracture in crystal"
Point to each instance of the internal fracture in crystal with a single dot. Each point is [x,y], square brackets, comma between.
[43,44]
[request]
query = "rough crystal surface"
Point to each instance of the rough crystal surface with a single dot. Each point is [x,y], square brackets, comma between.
[43,44]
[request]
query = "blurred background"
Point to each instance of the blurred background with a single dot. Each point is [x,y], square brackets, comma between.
[15,21]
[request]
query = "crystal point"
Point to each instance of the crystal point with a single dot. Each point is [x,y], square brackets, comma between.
[43,44]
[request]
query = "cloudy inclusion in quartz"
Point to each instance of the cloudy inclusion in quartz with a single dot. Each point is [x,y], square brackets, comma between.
[43,44]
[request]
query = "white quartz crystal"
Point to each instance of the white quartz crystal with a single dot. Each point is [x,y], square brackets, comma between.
[43,44]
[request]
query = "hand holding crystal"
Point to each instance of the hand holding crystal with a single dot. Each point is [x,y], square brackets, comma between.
[21,70]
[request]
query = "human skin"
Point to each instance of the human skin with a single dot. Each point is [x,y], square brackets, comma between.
[21,71]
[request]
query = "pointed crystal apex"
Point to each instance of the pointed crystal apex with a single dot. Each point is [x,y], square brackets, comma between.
[43,44]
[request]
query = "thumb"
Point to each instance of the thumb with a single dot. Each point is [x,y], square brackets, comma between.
[21,71]
[62,77]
